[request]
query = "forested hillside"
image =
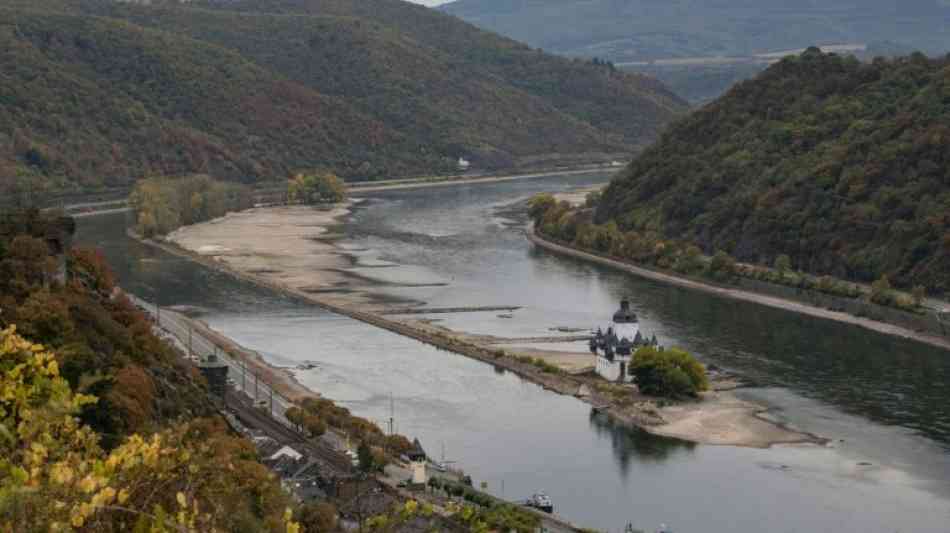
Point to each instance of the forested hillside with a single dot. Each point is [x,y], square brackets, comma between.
[98,93]
[105,428]
[841,165]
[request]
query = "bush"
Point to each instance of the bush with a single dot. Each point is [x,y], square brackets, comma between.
[322,188]
[669,373]
[162,205]
[539,205]
[722,267]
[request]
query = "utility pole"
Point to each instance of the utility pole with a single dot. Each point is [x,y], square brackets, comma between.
[272,401]
[391,413]
[255,387]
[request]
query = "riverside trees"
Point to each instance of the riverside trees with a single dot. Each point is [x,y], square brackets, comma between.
[317,188]
[163,205]
[575,226]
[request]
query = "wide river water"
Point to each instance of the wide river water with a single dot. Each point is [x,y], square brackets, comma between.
[885,402]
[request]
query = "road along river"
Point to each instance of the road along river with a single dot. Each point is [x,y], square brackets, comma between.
[886,398]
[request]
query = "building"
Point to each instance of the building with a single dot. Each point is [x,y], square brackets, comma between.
[216,372]
[417,463]
[615,347]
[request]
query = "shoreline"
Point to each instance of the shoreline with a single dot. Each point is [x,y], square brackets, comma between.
[737,293]
[719,418]
[422,183]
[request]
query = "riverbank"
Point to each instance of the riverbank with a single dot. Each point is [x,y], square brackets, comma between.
[739,294]
[420,183]
[291,250]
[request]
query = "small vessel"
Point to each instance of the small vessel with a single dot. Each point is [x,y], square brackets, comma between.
[541,502]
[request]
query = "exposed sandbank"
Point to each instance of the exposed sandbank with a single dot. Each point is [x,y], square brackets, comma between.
[286,249]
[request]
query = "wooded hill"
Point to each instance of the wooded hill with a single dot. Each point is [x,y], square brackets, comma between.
[642,30]
[106,428]
[844,166]
[98,93]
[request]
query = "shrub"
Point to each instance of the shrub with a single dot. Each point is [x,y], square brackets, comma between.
[670,373]
[321,188]
[539,205]
[722,267]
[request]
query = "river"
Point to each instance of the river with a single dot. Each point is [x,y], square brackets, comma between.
[883,401]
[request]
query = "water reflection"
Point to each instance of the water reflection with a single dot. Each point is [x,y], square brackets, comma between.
[632,445]
[516,435]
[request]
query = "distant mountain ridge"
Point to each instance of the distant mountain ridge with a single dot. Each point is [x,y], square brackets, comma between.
[97,93]
[638,30]
[844,166]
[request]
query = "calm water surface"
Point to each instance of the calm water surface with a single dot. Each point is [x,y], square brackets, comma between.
[883,400]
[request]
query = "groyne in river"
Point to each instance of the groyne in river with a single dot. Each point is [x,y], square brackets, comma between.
[885,397]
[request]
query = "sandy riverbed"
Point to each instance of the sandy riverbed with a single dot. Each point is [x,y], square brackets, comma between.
[291,249]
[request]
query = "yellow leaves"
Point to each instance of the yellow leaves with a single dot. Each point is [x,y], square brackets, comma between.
[52,369]
[182,501]
[88,484]
[123,496]
[80,514]
[104,497]
[62,474]
[291,526]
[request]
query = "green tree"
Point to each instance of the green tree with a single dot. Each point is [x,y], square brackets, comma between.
[722,267]
[881,290]
[669,373]
[320,188]
[365,457]
[539,205]
[783,263]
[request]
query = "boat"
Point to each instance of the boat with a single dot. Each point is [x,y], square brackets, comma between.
[541,502]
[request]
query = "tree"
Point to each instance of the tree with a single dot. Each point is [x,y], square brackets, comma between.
[919,294]
[689,260]
[317,517]
[670,373]
[539,205]
[55,477]
[881,290]
[314,425]
[321,188]
[722,267]
[295,416]
[365,457]
[783,263]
